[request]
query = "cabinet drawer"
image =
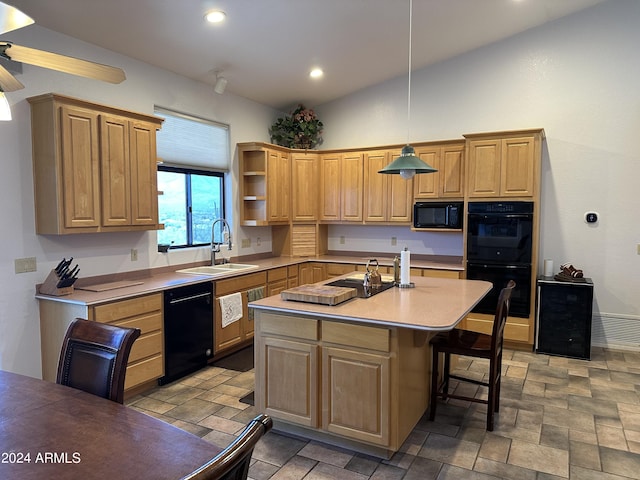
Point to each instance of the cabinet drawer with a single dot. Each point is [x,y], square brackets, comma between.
[277,274]
[433,272]
[147,323]
[144,371]
[286,326]
[146,346]
[112,312]
[335,269]
[237,284]
[362,336]
[292,271]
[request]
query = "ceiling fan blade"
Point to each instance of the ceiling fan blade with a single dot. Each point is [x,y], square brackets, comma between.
[12,19]
[8,82]
[63,63]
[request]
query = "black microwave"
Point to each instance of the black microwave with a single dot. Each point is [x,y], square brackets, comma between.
[438,215]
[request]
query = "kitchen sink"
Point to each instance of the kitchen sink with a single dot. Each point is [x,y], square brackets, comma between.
[217,269]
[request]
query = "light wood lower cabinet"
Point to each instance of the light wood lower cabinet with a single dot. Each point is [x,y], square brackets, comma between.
[238,333]
[353,385]
[312,272]
[292,369]
[146,360]
[518,330]
[276,280]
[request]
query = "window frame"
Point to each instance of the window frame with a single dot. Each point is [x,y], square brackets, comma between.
[188,172]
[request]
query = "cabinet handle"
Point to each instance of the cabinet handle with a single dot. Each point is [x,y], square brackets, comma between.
[186,299]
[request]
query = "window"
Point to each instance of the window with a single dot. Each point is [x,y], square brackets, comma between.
[195,155]
[191,201]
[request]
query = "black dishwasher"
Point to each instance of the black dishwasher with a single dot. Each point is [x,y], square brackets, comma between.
[188,330]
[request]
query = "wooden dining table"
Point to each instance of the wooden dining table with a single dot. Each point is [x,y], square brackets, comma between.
[56,432]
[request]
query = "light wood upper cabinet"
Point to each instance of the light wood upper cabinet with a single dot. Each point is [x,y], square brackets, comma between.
[341,184]
[448,181]
[129,179]
[500,166]
[265,184]
[387,198]
[304,176]
[94,167]
[77,203]
[143,170]
[278,186]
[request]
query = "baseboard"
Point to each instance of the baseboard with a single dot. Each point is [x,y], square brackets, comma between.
[616,331]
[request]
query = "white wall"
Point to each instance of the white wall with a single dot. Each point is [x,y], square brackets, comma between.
[579,79]
[145,87]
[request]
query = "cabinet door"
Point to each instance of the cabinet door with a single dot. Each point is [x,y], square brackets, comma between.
[278,186]
[400,196]
[144,173]
[312,273]
[290,380]
[451,172]
[351,187]
[304,171]
[80,168]
[115,166]
[355,394]
[330,193]
[427,186]
[484,168]
[232,334]
[375,187]
[518,167]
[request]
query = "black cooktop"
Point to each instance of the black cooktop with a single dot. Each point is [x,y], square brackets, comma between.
[362,291]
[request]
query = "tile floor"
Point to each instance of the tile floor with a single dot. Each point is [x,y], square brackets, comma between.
[559,418]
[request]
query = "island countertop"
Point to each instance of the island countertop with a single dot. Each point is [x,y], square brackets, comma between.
[434,304]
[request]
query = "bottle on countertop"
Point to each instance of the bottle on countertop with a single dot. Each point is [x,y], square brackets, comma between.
[396,270]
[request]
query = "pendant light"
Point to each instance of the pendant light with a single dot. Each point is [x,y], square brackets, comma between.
[5,110]
[407,164]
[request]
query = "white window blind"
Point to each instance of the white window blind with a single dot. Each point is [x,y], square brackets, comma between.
[186,140]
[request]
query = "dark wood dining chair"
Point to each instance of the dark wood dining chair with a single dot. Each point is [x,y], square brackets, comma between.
[233,462]
[472,344]
[94,358]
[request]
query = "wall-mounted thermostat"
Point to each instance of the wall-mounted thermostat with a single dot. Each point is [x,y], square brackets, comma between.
[591,217]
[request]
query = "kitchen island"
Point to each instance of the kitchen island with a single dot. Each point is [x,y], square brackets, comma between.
[355,374]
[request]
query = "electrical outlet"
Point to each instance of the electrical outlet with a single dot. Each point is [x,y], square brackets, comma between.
[24,265]
[394,241]
[638,248]
[258,241]
[246,243]
[341,239]
[134,254]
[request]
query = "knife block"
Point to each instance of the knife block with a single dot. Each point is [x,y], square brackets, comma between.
[49,286]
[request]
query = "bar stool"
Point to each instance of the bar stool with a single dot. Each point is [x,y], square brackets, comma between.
[477,345]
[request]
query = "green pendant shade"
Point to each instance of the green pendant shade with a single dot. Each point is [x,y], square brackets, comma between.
[407,164]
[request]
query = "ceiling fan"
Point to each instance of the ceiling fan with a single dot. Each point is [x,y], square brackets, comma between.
[12,19]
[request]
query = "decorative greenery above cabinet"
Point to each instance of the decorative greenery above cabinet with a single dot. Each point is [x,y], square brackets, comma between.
[94,167]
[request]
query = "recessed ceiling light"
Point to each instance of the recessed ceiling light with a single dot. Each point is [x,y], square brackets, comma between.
[316,73]
[215,16]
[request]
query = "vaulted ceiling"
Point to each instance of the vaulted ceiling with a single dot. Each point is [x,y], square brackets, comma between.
[266,48]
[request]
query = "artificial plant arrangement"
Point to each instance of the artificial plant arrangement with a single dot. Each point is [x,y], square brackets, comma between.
[300,129]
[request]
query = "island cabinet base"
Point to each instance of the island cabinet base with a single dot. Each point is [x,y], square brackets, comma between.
[359,386]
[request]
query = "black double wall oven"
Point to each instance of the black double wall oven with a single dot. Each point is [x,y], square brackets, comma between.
[499,249]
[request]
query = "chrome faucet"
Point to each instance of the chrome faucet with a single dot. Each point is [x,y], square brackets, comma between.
[215,246]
